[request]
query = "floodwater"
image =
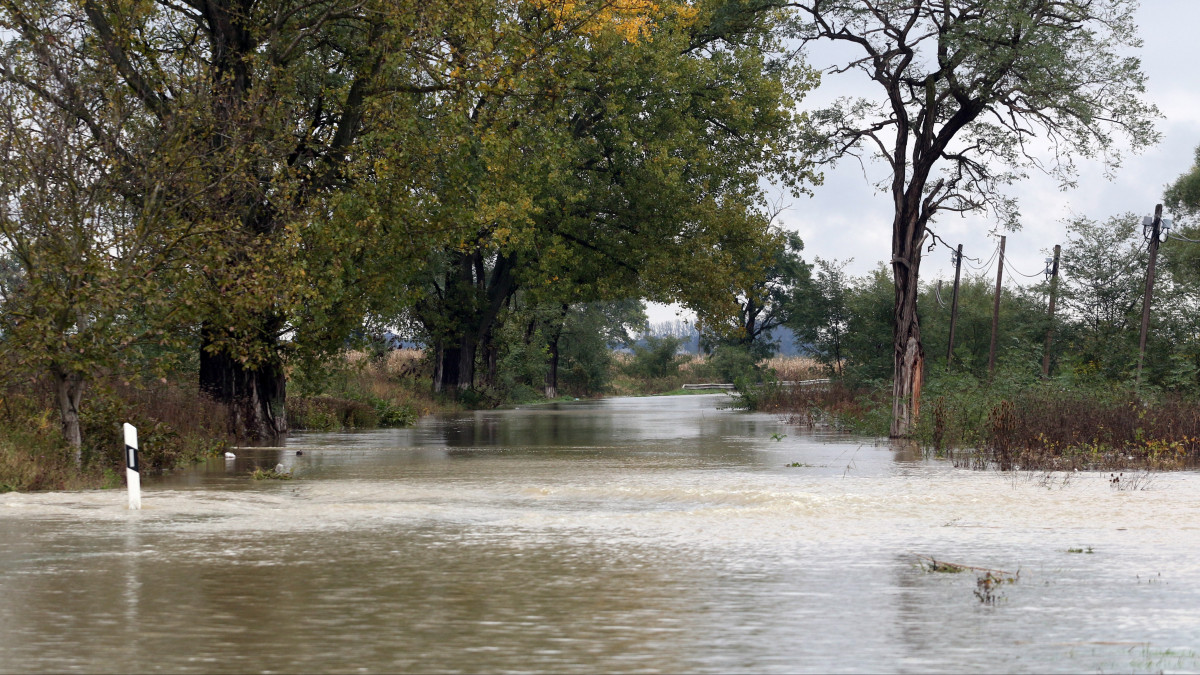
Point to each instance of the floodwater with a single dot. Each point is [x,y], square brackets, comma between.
[623,535]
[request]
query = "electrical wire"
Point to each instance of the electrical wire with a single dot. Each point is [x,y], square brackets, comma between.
[986,268]
[988,264]
[1180,237]
[941,241]
[1030,276]
[1012,280]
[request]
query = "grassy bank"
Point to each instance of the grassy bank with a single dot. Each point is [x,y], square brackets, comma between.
[1016,422]
[360,390]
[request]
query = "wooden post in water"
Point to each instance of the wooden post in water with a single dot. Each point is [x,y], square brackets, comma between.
[954,306]
[1050,327]
[133,479]
[996,311]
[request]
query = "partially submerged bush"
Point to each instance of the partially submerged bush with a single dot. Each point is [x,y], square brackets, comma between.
[1046,426]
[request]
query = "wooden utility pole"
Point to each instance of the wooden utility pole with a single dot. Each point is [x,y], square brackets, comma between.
[1154,230]
[1050,327]
[954,306]
[996,310]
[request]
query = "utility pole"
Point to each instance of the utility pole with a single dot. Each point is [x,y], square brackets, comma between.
[954,306]
[1050,327]
[996,310]
[1155,228]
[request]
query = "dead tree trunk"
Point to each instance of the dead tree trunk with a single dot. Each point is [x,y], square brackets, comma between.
[908,352]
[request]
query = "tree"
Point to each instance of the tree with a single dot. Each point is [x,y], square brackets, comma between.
[1183,196]
[971,92]
[1022,325]
[769,302]
[630,169]
[312,117]
[87,275]
[869,309]
[822,318]
[1182,199]
[1104,276]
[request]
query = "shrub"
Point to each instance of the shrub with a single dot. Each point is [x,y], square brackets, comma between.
[657,358]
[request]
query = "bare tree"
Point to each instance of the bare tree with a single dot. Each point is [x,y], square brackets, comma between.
[974,93]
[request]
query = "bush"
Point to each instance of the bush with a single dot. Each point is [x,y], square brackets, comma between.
[176,427]
[731,363]
[329,413]
[657,358]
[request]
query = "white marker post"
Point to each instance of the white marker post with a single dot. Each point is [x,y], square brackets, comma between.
[133,479]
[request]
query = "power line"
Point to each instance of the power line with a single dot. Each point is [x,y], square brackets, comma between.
[1037,274]
[987,264]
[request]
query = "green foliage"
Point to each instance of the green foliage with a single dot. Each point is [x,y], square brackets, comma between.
[1022,326]
[737,363]
[1182,197]
[658,357]
[821,318]
[867,343]
[589,333]
[631,169]
[777,297]
[329,413]
[1018,421]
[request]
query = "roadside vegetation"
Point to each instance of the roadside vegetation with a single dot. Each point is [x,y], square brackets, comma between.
[176,428]
[1089,411]
[230,240]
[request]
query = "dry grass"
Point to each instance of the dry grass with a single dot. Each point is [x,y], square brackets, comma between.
[365,391]
[696,369]
[796,368]
[403,363]
[834,404]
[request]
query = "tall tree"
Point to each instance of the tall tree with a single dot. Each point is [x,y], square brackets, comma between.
[1182,197]
[973,94]
[784,289]
[630,169]
[821,317]
[281,94]
[1182,200]
[88,273]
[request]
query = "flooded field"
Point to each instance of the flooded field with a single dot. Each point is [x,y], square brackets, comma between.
[632,535]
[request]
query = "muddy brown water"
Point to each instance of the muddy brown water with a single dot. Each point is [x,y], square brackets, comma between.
[623,535]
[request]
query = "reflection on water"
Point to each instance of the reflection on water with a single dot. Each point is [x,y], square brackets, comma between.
[641,535]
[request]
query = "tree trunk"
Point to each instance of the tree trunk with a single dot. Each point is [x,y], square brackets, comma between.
[256,398]
[68,390]
[455,367]
[908,353]
[552,374]
[473,298]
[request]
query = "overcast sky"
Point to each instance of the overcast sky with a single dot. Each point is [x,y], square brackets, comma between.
[846,218]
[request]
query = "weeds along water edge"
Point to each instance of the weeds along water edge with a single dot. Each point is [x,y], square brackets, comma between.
[1038,427]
